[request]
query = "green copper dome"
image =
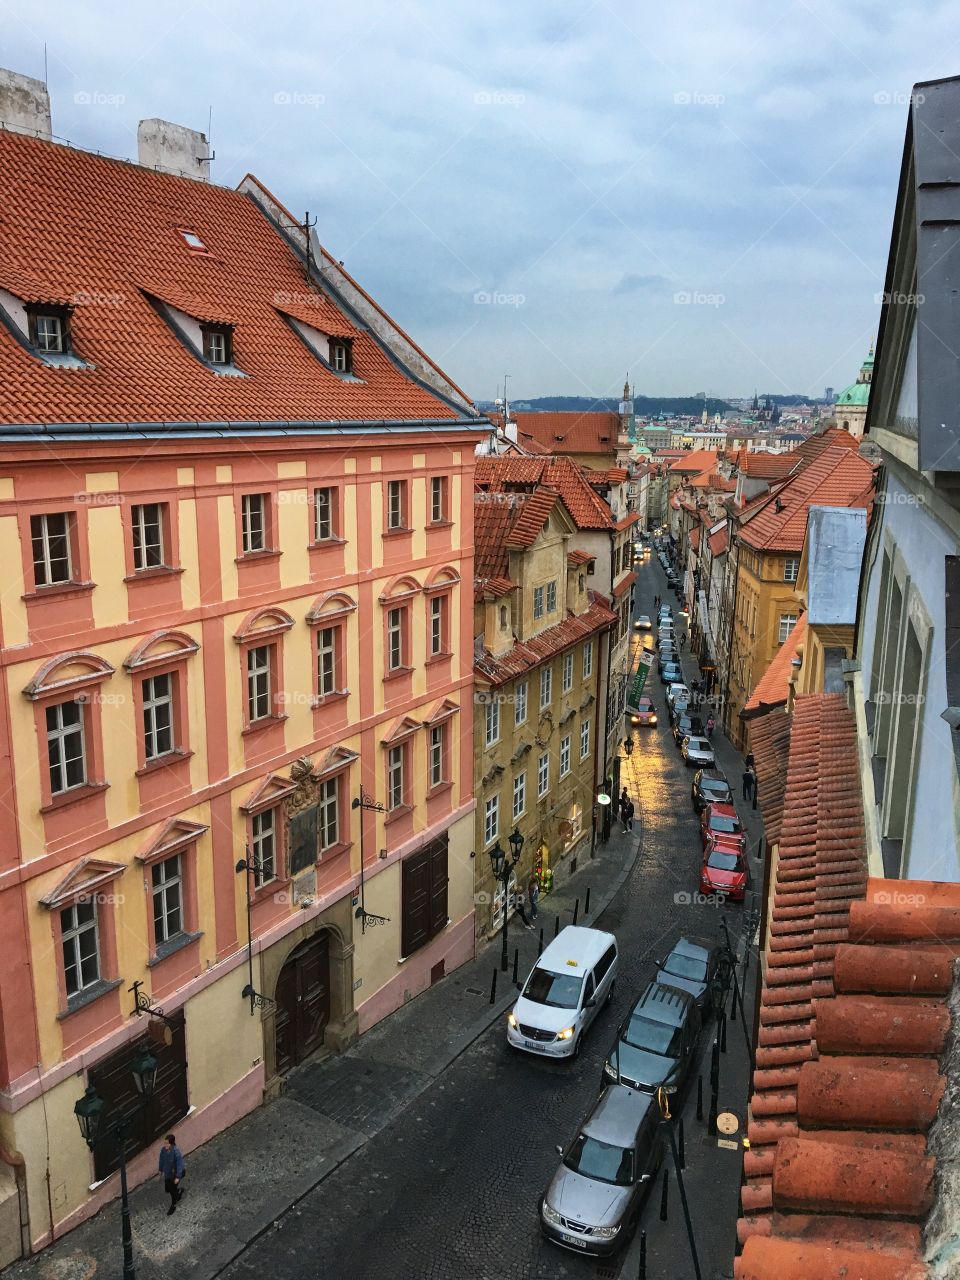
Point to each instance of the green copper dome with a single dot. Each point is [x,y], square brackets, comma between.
[859,393]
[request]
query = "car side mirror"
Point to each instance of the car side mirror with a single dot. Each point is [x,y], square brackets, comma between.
[645,1177]
[559,1150]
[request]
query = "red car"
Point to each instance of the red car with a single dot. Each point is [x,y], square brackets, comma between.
[724,869]
[721,820]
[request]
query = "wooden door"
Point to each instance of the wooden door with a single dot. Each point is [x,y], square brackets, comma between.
[303,1002]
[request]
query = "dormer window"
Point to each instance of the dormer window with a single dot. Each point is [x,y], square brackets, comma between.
[48,331]
[217,344]
[341,355]
[193,241]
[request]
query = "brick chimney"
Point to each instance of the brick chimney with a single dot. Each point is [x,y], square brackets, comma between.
[174,149]
[24,104]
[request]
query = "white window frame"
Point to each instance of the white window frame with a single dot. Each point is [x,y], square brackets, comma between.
[588,660]
[519,795]
[395,654]
[491,734]
[546,687]
[327,641]
[543,775]
[491,819]
[158,692]
[565,755]
[584,739]
[396,780]
[253,520]
[567,681]
[437,619]
[264,835]
[537,602]
[438,499]
[148,548]
[166,883]
[60,734]
[259,682]
[786,623]
[328,813]
[396,504]
[43,566]
[324,520]
[71,931]
[551,605]
[51,333]
[520,693]
[435,752]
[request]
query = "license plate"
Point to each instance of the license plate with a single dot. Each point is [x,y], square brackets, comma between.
[533,1044]
[577,1240]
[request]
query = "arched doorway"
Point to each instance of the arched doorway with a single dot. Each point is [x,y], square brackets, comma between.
[303,1002]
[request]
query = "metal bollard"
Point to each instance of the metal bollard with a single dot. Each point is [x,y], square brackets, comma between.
[681,1155]
[493,988]
[540,943]
[700,1098]
[664,1194]
[586,905]
[516,964]
[723,1031]
[733,1000]
[556,926]
[576,910]
[643,1256]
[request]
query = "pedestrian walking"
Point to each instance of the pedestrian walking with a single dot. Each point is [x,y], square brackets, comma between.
[628,812]
[172,1171]
[520,909]
[711,725]
[749,782]
[533,897]
[622,803]
[749,763]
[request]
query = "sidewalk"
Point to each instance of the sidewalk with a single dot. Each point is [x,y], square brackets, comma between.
[240,1183]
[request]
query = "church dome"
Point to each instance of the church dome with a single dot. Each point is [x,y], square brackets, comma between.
[858,393]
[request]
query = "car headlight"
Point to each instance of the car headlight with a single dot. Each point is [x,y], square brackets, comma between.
[653,719]
[565,1034]
[512,1019]
[605,1233]
[609,1072]
[549,1215]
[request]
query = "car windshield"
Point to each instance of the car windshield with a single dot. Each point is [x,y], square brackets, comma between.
[719,823]
[698,744]
[655,1037]
[644,704]
[723,861]
[685,967]
[600,1161]
[559,990]
[715,785]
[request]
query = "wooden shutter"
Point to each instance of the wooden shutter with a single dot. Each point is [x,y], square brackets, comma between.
[423,908]
[438,884]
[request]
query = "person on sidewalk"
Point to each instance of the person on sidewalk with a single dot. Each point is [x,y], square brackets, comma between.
[711,725]
[520,909]
[749,780]
[749,763]
[628,812]
[533,897]
[172,1171]
[622,806]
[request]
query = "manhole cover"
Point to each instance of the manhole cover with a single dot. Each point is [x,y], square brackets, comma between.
[728,1122]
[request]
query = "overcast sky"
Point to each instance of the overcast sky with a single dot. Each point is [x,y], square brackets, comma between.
[698,193]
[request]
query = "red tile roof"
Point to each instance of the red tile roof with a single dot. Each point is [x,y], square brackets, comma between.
[694,539]
[695,460]
[572,432]
[773,686]
[769,466]
[854,1016]
[548,644]
[532,515]
[769,740]
[838,477]
[717,542]
[104,234]
[579,557]
[493,518]
[624,585]
[586,507]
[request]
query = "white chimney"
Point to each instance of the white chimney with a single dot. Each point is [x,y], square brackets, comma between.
[24,104]
[174,149]
[510,430]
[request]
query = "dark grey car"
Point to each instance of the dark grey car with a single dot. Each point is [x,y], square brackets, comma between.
[657,1044]
[692,967]
[593,1202]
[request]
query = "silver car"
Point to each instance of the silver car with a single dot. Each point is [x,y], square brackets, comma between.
[698,753]
[593,1202]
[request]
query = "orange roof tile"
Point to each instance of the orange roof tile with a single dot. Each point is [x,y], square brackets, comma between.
[695,460]
[853,1019]
[769,739]
[572,432]
[511,474]
[769,466]
[773,686]
[717,542]
[547,644]
[838,477]
[103,233]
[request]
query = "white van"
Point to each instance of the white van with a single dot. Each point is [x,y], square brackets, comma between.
[566,988]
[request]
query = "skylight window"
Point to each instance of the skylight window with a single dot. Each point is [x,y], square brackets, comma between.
[193,241]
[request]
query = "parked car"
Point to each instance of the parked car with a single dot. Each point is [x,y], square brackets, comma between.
[667,652]
[724,870]
[566,988]
[687,726]
[697,753]
[691,966]
[665,611]
[670,673]
[681,706]
[676,690]
[657,1044]
[643,623]
[709,786]
[719,819]
[593,1202]
[644,714]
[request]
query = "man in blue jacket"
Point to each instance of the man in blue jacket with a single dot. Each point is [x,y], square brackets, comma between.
[171,1168]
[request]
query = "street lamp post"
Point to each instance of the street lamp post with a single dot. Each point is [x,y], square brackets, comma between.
[89,1111]
[503,867]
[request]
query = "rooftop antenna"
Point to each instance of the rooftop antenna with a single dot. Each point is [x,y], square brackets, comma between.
[306,227]
[45,71]
[210,126]
[506,402]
